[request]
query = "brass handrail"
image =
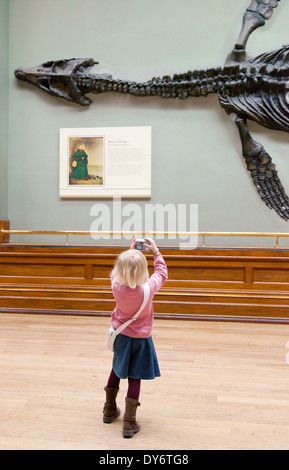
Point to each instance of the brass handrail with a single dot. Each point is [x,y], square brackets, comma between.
[67,233]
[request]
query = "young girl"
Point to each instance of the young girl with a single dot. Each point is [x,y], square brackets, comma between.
[134,353]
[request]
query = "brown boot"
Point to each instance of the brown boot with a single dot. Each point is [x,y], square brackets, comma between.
[130,425]
[110,410]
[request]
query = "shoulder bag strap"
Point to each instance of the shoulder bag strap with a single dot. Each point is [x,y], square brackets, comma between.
[146,289]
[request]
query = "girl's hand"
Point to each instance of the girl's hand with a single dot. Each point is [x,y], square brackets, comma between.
[151,245]
[132,246]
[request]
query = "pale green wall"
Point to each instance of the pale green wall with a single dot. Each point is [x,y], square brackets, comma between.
[4,141]
[196,148]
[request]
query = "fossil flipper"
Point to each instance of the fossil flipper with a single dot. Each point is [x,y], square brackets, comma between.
[255,16]
[263,172]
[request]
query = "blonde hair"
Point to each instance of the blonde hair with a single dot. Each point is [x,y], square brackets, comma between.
[131,268]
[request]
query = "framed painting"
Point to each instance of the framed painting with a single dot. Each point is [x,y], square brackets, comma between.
[105,162]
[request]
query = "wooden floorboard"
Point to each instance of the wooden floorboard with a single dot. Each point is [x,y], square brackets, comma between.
[223,386]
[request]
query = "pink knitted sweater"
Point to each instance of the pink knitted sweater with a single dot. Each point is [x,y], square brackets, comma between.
[128,301]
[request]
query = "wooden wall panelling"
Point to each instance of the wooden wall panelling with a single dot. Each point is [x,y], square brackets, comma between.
[205,283]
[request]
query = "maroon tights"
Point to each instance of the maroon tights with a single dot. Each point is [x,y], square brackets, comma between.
[133,385]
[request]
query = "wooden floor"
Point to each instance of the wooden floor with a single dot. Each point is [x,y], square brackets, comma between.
[223,386]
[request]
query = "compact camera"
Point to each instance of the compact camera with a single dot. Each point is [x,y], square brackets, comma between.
[139,244]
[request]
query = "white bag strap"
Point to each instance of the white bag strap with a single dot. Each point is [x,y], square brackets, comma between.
[146,289]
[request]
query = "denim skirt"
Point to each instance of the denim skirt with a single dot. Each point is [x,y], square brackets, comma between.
[135,358]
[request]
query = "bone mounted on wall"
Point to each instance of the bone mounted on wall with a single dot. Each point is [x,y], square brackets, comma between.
[253,89]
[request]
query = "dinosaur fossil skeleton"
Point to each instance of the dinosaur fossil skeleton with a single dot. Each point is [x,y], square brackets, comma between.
[254,89]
